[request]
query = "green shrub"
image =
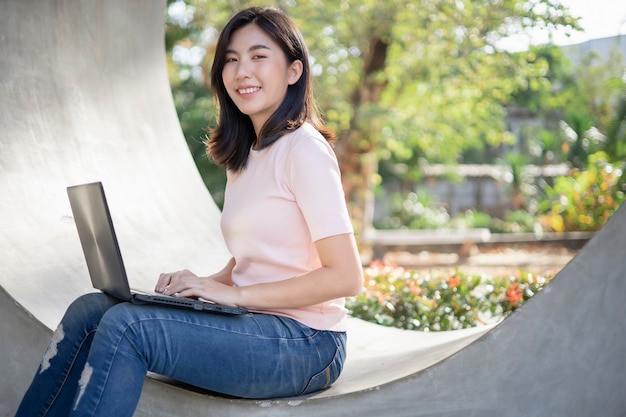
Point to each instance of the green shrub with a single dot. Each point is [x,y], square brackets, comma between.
[420,211]
[471,219]
[582,201]
[393,296]
[414,211]
[518,221]
[585,200]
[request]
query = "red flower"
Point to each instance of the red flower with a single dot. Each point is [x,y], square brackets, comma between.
[454,282]
[414,288]
[514,294]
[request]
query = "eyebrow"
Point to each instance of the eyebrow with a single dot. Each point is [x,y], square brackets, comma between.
[251,49]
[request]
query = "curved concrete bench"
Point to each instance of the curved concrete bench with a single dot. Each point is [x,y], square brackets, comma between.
[376,356]
[84,96]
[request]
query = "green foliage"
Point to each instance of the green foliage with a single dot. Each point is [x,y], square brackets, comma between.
[410,83]
[550,84]
[600,84]
[195,109]
[582,141]
[585,200]
[393,296]
[471,219]
[517,221]
[581,201]
[446,81]
[420,211]
[399,80]
[616,135]
[576,105]
[415,211]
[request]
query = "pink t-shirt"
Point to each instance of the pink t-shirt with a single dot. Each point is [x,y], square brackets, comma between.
[288,196]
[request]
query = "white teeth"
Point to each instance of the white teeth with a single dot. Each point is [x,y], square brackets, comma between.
[248,90]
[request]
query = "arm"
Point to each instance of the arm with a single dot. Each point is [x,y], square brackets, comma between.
[341,275]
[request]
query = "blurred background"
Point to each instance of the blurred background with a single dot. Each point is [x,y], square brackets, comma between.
[507,116]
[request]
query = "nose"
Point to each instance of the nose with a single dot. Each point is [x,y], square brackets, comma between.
[242,71]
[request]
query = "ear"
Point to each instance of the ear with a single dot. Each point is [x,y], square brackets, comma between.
[295,71]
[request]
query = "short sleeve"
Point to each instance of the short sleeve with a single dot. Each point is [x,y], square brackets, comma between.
[315,181]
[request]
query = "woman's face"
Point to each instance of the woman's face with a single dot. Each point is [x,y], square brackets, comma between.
[256,74]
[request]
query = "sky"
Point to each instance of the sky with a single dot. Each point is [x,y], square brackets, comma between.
[599,19]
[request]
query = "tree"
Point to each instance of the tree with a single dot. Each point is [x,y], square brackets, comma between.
[616,136]
[582,99]
[404,81]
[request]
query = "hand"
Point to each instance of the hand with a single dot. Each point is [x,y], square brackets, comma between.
[187,284]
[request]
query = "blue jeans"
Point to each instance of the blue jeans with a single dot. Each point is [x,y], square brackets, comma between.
[99,355]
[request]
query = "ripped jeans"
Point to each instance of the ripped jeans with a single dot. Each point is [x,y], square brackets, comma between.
[99,355]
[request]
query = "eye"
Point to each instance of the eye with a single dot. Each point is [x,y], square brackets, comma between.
[231,59]
[257,57]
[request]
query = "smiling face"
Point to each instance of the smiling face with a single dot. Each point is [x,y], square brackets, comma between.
[256,73]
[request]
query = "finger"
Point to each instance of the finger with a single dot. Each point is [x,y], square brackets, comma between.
[164,280]
[177,283]
[161,283]
[184,286]
[187,293]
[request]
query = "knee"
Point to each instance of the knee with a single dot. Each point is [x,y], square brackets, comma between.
[88,308]
[123,322]
[121,317]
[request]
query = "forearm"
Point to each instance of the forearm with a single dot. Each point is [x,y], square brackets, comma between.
[341,275]
[315,287]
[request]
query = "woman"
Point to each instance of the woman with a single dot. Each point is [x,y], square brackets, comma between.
[294,256]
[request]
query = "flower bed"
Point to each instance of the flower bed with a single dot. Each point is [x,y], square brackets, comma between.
[397,297]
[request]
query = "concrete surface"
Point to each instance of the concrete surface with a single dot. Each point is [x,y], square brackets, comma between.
[84,96]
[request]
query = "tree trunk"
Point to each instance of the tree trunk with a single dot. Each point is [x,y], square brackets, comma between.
[355,148]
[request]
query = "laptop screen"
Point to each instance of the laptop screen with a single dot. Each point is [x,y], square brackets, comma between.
[98,239]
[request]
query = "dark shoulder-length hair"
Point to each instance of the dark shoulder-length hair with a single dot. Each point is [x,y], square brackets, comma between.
[230,142]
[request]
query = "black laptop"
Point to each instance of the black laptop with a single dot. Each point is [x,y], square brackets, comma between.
[104,259]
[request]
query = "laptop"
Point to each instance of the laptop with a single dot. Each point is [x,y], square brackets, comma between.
[104,259]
